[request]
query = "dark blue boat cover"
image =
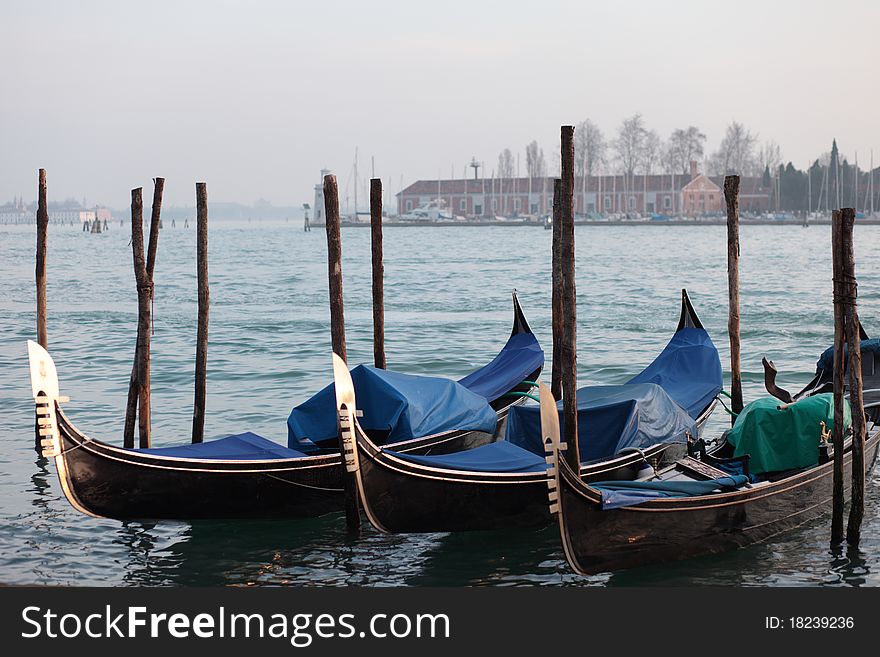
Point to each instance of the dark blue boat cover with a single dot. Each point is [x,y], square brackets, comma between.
[499,456]
[826,360]
[630,493]
[244,446]
[519,358]
[401,406]
[689,369]
[610,418]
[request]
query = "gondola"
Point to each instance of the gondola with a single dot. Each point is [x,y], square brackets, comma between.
[822,380]
[712,500]
[503,484]
[247,476]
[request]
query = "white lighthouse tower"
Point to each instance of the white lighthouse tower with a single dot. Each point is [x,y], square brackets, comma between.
[319,219]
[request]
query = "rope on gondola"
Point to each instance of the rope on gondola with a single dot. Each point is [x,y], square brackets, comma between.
[522,394]
[723,405]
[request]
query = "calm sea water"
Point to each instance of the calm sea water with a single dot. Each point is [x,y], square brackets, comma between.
[447,312]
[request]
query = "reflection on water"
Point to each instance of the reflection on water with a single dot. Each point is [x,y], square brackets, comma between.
[447,312]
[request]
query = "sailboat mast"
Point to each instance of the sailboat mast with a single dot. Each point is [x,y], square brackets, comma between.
[355,182]
[810,188]
[856,184]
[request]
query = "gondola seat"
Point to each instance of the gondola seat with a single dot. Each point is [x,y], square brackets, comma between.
[630,493]
[240,447]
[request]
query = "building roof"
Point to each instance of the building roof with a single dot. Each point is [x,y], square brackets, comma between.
[749,186]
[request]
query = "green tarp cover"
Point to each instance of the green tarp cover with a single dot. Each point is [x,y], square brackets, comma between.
[786,439]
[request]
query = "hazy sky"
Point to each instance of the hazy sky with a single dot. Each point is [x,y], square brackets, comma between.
[256,97]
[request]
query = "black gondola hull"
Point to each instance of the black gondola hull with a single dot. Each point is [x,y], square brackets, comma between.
[670,530]
[106,481]
[402,497]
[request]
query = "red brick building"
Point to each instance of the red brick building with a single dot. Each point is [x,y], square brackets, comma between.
[668,194]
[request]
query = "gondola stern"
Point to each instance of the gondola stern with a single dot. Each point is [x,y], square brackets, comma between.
[688,317]
[520,323]
[770,386]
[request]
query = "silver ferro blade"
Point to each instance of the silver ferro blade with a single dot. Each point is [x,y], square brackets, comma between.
[549,416]
[344,385]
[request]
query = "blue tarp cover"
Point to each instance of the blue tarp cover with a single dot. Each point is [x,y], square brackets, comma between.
[243,446]
[499,456]
[629,493]
[826,360]
[689,369]
[521,356]
[610,418]
[404,405]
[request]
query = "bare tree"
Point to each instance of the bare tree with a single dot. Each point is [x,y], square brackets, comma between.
[589,148]
[629,143]
[685,146]
[652,150]
[736,153]
[535,164]
[769,156]
[506,164]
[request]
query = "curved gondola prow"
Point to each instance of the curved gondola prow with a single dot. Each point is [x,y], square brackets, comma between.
[556,463]
[349,430]
[520,324]
[46,392]
[688,317]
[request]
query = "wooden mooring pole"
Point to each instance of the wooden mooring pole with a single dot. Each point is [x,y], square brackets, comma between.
[378,273]
[201,374]
[569,302]
[731,196]
[40,276]
[138,405]
[849,288]
[42,245]
[337,328]
[556,298]
[839,365]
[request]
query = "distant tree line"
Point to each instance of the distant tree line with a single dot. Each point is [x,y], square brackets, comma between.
[636,150]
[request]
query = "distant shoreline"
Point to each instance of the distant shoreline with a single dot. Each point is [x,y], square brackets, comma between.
[720,221]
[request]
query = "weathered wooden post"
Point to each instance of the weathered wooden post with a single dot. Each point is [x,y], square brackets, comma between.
[854,349]
[40,276]
[138,404]
[378,273]
[198,426]
[42,245]
[155,225]
[337,328]
[731,196]
[556,298]
[569,302]
[839,367]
